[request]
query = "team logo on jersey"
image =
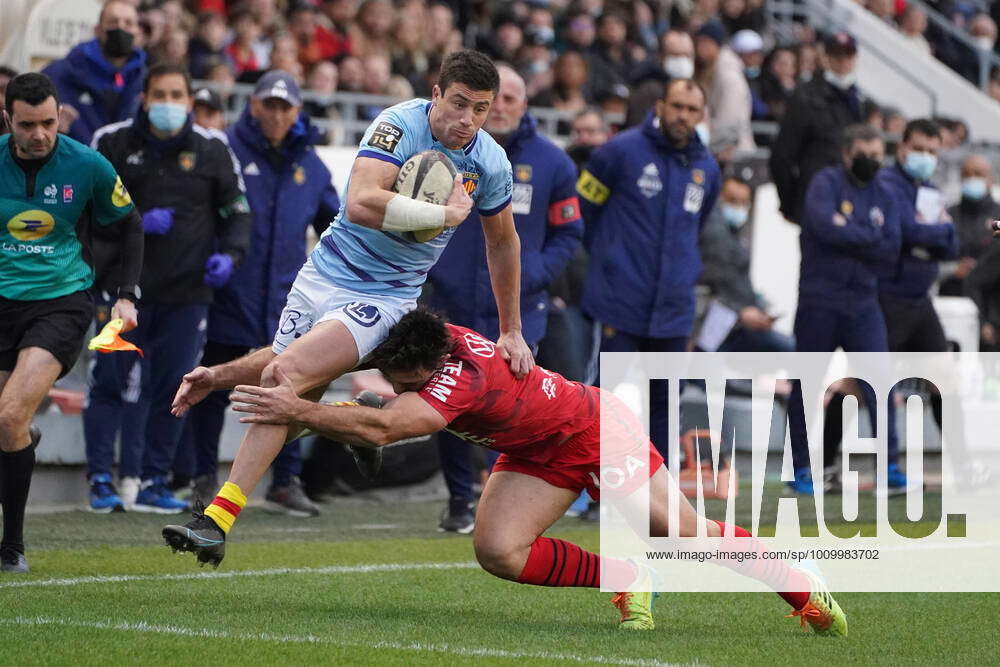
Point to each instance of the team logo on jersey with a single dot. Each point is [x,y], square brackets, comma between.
[549,388]
[876,216]
[846,207]
[300,175]
[479,346]
[31,225]
[386,136]
[49,193]
[649,182]
[186,160]
[364,314]
[67,194]
[698,176]
[523,172]
[470,180]
[120,196]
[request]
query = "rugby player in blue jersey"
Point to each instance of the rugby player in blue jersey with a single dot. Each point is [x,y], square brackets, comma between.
[368,269]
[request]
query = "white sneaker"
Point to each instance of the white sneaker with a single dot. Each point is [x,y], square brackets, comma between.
[128,489]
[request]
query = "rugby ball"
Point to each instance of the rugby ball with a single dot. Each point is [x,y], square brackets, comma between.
[428,176]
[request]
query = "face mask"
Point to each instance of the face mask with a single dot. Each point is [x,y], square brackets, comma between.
[735,216]
[920,166]
[118,43]
[751,72]
[679,67]
[974,188]
[806,77]
[864,167]
[840,81]
[167,117]
[547,34]
[701,129]
[984,43]
[538,66]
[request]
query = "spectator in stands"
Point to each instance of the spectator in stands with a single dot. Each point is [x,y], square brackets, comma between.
[883,9]
[579,32]
[645,197]
[315,43]
[339,15]
[411,57]
[972,215]
[807,59]
[809,139]
[983,30]
[153,25]
[351,74]
[220,72]
[982,285]
[778,81]
[208,111]
[372,31]
[175,17]
[749,46]
[196,220]
[289,190]
[725,257]
[534,61]
[271,20]
[850,235]
[247,51]
[913,24]
[506,40]
[675,61]
[737,15]
[99,81]
[895,122]
[569,91]
[377,70]
[209,42]
[872,114]
[547,215]
[589,129]
[611,61]
[441,25]
[720,73]
[174,49]
[285,56]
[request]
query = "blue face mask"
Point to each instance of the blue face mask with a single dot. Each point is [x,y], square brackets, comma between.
[920,166]
[751,72]
[167,117]
[974,188]
[735,216]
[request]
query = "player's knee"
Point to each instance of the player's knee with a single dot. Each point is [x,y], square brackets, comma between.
[14,424]
[499,559]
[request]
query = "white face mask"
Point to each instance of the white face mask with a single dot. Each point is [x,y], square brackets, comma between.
[679,67]
[985,43]
[843,82]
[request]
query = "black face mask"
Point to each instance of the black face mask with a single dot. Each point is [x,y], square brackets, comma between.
[117,43]
[864,167]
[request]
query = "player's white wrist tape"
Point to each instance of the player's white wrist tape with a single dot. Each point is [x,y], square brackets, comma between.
[403,214]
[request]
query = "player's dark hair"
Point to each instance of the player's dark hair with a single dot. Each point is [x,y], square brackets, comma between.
[418,341]
[32,88]
[163,69]
[924,126]
[859,132]
[686,84]
[469,68]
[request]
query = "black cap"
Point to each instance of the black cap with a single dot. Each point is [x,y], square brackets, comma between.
[209,98]
[278,84]
[714,30]
[840,44]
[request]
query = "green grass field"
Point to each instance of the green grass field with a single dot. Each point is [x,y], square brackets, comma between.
[369,583]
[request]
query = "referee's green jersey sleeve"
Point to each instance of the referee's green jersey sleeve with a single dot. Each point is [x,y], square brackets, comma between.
[112,201]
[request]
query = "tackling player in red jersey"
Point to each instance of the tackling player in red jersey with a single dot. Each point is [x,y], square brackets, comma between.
[548,431]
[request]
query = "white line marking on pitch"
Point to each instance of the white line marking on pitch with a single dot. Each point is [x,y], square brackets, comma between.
[143,626]
[331,569]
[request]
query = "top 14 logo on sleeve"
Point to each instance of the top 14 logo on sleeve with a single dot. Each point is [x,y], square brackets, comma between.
[386,136]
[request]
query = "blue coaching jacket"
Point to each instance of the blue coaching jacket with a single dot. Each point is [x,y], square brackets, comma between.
[644,203]
[923,245]
[102,94]
[547,216]
[288,189]
[850,236]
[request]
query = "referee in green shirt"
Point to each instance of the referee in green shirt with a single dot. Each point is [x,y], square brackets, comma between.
[52,188]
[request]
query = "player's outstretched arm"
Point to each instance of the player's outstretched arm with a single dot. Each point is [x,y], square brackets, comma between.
[372,203]
[503,255]
[202,381]
[406,416]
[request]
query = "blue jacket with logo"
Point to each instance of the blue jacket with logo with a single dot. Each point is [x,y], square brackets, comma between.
[547,216]
[644,203]
[288,189]
[850,236]
[923,244]
[99,92]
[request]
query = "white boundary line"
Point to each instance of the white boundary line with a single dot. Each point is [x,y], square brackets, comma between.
[228,574]
[144,627]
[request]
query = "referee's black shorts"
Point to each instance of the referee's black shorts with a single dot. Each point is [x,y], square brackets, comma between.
[58,325]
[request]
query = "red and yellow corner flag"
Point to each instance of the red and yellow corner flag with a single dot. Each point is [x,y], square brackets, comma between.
[109,339]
